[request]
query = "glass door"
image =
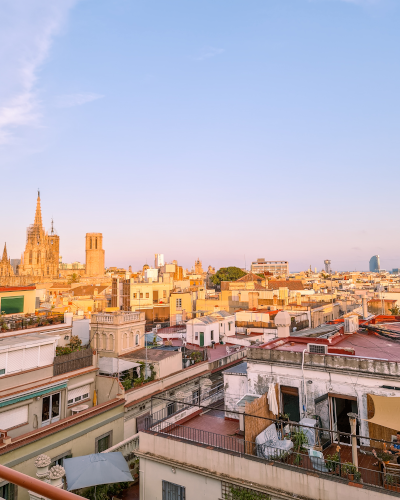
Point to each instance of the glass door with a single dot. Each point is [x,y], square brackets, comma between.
[51,409]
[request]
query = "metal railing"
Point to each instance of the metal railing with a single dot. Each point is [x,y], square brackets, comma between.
[126,447]
[39,487]
[187,403]
[327,466]
[17,322]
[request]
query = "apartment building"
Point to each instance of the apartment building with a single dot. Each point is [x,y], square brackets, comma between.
[52,404]
[275,267]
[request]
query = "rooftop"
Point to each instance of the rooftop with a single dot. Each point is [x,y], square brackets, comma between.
[152,354]
[218,352]
[241,369]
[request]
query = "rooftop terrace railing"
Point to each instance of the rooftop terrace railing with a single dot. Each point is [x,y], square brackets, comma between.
[328,466]
[23,322]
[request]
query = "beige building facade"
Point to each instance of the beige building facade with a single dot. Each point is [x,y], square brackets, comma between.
[117,333]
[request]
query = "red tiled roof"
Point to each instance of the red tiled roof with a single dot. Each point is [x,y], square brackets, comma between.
[250,277]
[290,284]
[15,288]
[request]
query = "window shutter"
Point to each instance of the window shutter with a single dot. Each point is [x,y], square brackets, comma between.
[12,418]
[31,358]
[14,363]
[79,392]
[46,355]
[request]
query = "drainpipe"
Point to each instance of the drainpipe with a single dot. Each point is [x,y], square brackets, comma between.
[304,385]
[353,424]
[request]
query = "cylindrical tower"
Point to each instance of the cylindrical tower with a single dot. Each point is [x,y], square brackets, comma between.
[94,254]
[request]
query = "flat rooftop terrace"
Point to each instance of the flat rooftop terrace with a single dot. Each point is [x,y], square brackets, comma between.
[218,352]
[365,345]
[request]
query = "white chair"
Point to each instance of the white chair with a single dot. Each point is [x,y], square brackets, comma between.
[269,445]
[317,460]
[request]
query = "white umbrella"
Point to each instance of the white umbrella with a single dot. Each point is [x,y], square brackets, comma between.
[272,402]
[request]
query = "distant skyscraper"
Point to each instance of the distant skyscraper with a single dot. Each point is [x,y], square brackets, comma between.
[374,264]
[158,260]
[327,266]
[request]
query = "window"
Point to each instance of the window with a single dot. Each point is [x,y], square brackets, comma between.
[90,243]
[78,394]
[134,296]
[137,339]
[196,396]
[229,325]
[179,303]
[7,491]
[212,334]
[171,491]
[196,336]
[164,294]
[59,460]
[171,408]
[103,442]
[95,244]
[50,409]
[147,295]
[141,295]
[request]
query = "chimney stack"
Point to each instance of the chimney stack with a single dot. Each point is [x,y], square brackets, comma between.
[365,307]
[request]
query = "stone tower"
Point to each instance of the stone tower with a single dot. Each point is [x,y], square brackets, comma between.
[94,254]
[5,264]
[41,255]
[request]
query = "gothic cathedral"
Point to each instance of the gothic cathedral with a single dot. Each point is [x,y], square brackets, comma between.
[41,256]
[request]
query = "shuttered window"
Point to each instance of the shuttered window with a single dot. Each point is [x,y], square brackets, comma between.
[46,355]
[78,394]
[171,491]
[14,363]
[12,418]
[31,358]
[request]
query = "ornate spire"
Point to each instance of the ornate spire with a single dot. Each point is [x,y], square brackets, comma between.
[38,214]
[5,258]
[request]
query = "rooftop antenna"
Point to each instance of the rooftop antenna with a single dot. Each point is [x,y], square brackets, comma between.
[52,226]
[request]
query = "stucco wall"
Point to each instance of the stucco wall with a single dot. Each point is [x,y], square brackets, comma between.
[79,440]
[191,461]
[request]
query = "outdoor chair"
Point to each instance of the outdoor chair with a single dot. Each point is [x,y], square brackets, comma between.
[269,445]
[317,460]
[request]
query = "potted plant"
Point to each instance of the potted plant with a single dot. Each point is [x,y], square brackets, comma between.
[389,480]
[332,462]
[299,440]
[384,456]
[349,470]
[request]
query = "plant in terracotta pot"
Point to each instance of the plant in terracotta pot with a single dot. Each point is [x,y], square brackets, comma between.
[349,470]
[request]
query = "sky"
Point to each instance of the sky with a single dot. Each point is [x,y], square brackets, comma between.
[227,130]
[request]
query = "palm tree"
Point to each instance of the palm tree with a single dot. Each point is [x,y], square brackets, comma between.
[74,278]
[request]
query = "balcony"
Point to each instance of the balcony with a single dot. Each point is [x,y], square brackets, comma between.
[73,361]
[118,318]
[211,431]
[25,322]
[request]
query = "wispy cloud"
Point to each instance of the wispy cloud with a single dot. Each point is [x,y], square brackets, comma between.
[27,31]
[208,52]
[71,100]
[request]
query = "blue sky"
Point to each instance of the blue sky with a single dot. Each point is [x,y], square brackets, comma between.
[220,129]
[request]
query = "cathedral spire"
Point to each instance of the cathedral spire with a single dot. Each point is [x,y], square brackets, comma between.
[5,258]
[38,214]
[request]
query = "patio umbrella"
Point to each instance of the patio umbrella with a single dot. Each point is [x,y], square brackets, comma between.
[272,403]
[100,468]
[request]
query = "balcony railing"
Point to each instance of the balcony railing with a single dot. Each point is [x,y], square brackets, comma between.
[126,447]
[326,466]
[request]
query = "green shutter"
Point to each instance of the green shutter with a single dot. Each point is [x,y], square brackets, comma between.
[12,305]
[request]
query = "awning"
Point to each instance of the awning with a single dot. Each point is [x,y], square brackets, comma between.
[100,468]
[387,411]
[115,365]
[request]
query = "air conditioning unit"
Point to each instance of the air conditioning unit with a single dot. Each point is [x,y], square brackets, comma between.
[317,348]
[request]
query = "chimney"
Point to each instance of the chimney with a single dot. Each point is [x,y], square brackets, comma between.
[365,307]
[282,322]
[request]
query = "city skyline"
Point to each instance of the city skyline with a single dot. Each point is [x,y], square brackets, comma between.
[260,126]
